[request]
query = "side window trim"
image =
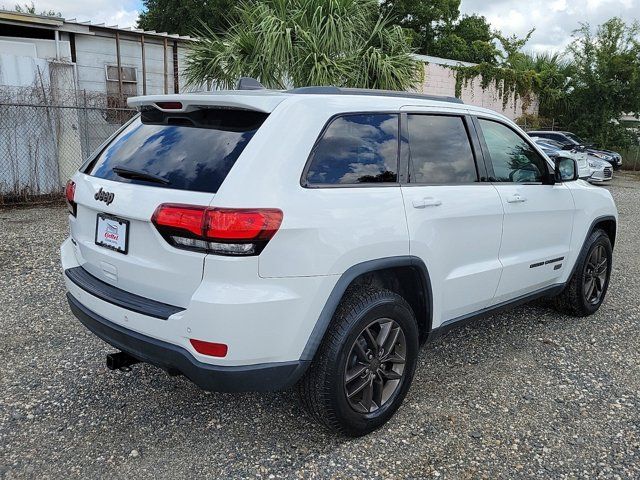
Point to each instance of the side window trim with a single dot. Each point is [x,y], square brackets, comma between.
[405,153]
[489,165]
[305,171]
[478,151]
[471,137]
[486,158]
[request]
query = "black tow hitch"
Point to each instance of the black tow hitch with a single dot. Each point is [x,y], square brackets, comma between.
[120,360]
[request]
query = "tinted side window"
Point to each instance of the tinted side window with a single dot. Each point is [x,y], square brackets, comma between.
[354,149]
[440,150]
[512,158]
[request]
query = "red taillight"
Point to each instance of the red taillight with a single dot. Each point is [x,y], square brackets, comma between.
[209,348]
[180,217]
[69,195]
[225,231]
[242,224]
[169,105]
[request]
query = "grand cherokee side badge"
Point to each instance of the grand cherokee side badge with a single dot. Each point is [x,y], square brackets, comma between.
[104,196]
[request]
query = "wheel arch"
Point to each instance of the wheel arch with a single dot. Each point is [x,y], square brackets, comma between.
[394,273]
[607,223]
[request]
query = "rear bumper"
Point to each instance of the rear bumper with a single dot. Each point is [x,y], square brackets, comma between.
[262,320]
[176,360]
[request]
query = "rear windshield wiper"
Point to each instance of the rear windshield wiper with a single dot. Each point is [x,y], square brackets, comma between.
[125,172]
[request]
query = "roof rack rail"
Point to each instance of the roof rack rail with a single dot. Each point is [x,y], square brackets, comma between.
[329,90]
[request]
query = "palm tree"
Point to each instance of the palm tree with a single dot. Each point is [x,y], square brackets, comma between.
[285,43]
[553,73]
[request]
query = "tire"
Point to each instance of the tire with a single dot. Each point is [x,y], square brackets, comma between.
[575,299]
[325,391]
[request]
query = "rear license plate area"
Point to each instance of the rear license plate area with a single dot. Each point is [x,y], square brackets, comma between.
[112,232]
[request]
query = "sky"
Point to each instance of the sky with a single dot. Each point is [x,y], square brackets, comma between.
[554,20]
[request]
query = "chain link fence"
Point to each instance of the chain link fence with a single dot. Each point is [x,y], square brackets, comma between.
[42,144]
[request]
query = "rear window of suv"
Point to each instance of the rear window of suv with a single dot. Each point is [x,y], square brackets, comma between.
[185,151]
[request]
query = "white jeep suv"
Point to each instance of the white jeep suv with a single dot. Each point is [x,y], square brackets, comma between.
[257,240]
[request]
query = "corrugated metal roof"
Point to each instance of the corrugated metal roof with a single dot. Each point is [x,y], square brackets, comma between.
[59,23]
[19,17]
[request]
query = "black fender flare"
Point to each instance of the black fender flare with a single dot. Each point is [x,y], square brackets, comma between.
[596,221]
[330,306]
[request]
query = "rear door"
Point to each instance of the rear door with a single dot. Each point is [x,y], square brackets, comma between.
[160,157]
[538,215]
[454,216]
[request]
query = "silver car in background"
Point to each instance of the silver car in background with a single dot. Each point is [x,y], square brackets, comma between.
[555,149]
[590,167]
[601,170]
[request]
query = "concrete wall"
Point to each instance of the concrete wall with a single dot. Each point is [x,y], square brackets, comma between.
[440,80]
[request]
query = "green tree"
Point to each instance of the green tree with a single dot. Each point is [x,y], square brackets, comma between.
[553,77]
[424,19]
[605,82]
[286,43]
[587,89]
[511,54]
[510,71]
[469,39]
[185,16]
[437,29]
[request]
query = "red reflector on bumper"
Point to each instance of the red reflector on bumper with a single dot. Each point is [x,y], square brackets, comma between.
[209,348]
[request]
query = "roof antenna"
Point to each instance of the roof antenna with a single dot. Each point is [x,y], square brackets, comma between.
[248,83]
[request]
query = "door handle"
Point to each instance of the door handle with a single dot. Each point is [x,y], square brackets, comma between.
[426,202]
[516,198]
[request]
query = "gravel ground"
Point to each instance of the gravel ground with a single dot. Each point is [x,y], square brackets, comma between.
[521,394]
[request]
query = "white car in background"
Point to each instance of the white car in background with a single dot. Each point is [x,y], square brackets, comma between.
[555,149]
[601,170]
[590,167]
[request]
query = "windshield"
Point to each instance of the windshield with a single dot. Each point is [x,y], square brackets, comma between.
[552,143]
[575,138]
[185,151]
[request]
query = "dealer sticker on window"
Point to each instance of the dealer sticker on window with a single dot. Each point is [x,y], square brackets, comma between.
[112,232]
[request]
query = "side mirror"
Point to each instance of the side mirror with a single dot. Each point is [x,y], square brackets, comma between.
[566,169]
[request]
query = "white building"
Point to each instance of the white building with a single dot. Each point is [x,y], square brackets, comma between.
[69,55]
[63,90]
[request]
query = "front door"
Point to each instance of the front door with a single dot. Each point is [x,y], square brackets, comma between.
[538,215]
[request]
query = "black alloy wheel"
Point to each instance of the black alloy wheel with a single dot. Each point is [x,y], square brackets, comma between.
[595,275]
[375,365]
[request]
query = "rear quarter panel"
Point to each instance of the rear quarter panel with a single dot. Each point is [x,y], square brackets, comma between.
[324,230]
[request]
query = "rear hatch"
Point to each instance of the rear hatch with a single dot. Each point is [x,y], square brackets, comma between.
[178,154]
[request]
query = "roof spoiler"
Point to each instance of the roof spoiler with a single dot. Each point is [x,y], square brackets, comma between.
[182,103]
